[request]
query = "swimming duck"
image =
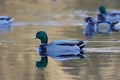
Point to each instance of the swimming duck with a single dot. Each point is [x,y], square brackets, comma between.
[90,28]
[111,18]
[59,49]
[104,15]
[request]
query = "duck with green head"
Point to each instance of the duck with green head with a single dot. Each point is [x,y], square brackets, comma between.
[110,18]
[59,49]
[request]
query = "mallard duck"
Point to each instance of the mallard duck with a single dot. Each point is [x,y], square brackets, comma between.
[59,49]
[109,18]
[104,15]
[90,28]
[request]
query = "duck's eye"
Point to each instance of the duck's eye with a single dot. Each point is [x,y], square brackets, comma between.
[90,20]
[38,36]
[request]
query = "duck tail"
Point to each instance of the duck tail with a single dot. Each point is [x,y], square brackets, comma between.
[81,54]
[81,44]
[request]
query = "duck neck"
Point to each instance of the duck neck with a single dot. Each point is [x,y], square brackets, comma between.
[44,39]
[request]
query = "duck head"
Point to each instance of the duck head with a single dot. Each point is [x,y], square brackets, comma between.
[102,9]
[42,36]
[90,20]
[44,59]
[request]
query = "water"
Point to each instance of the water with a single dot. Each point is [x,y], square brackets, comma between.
[17,43]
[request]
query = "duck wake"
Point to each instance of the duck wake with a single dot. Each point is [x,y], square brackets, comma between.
[103,49]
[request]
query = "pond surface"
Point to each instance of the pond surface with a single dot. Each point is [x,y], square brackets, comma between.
[60,20]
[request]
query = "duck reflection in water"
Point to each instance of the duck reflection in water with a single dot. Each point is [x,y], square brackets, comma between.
[4,29]
[60,50]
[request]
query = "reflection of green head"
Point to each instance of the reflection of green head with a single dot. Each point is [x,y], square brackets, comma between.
[42,63]
[102,9]
[42,36]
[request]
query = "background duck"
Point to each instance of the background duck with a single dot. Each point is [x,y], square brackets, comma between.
[59,49]
[112,18]
[90,28]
